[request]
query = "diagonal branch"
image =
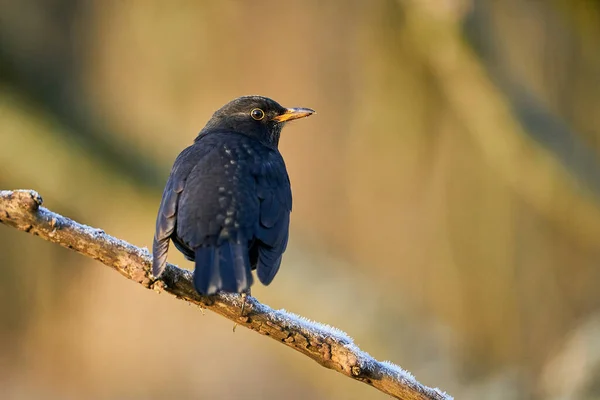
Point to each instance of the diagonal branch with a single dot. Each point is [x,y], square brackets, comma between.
[328,346]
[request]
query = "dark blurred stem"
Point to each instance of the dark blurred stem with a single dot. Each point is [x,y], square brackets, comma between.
[328,346]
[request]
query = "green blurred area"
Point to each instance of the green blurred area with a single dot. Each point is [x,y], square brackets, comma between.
[446,195]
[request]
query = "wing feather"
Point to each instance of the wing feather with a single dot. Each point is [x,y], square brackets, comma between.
[274,192]
[166,220]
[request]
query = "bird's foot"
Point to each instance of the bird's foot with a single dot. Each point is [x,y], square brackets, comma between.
[244,295]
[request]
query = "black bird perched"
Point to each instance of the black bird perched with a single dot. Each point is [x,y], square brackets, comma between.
[227,202]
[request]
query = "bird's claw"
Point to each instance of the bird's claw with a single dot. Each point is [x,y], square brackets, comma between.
[244,296]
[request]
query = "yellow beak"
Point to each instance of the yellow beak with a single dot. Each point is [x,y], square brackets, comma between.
[293,113]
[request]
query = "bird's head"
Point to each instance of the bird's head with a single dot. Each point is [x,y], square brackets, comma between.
[255,116]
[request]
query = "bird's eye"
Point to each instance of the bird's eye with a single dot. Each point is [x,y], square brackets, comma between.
[257,114]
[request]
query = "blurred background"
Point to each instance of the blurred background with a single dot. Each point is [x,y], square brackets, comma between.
[446,195]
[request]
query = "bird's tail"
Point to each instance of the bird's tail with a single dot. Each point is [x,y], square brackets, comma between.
[225,267]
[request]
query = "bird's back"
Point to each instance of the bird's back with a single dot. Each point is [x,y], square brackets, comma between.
[226,206]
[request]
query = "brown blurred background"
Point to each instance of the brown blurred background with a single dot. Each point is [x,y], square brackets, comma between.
[447,193]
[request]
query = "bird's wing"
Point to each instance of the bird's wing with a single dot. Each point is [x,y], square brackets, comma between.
[166,219]
[275,194]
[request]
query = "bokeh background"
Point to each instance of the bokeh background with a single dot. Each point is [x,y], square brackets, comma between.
[447,193]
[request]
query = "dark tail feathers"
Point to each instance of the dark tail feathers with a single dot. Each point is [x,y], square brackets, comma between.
[225,267]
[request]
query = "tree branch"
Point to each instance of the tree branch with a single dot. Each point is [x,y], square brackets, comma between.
[328,346]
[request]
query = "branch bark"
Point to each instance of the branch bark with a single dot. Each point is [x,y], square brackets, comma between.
[328,346]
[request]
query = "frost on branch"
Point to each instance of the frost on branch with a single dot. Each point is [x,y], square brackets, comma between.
[329,346]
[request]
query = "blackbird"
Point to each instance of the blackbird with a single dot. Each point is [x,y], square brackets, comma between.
[227,202]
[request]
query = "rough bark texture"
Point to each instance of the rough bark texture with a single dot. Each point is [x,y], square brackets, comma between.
[328,346]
